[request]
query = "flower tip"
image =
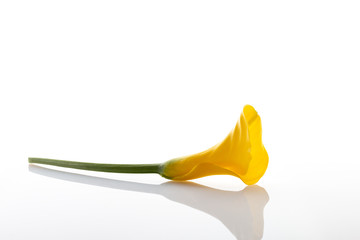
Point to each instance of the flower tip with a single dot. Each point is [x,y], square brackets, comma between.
[250,113]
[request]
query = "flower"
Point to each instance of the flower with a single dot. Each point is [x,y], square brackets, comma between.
[241,154]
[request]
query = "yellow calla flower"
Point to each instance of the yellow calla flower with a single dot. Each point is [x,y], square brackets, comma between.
[241,154]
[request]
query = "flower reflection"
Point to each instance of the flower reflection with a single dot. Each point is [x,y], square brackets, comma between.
[240,211]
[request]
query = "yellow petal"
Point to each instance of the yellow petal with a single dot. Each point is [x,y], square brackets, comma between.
[240,154]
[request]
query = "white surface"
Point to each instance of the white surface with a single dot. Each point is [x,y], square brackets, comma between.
[146,81]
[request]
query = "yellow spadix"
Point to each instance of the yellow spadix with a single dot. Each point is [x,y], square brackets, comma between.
[240,154]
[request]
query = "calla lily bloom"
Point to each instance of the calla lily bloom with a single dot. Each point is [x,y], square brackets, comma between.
[240,154]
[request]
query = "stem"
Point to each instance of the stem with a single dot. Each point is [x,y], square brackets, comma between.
[100,167]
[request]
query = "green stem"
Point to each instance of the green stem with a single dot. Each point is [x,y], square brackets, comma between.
[100,167]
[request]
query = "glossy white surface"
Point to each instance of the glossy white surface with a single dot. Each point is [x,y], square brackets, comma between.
[147,81]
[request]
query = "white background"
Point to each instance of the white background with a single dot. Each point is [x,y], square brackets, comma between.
[147,81]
